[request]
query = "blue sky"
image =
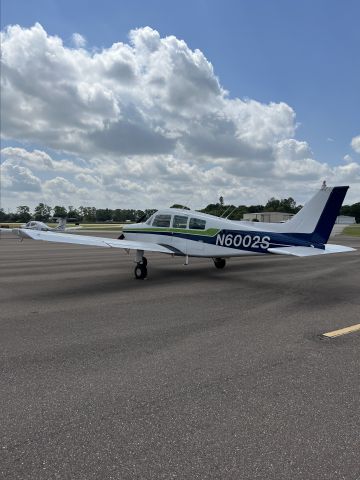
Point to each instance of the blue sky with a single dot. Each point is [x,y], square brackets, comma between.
[304,53]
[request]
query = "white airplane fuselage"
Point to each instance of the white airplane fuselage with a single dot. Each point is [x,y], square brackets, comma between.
[197,234]
[218,237]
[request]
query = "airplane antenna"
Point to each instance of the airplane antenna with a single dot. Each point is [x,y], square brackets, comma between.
[225,211]
[232,211]
[186,205]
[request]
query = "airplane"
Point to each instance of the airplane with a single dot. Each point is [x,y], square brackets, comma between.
[37,225]
[189,233]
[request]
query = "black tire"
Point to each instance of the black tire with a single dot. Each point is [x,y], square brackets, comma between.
[140,271]
[219,262]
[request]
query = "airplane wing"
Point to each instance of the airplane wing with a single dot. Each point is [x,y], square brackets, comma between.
[92,241]
[310,251]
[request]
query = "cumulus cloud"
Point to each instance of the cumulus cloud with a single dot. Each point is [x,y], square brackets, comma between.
[142,123]
[349,173]
[147,97]
[40,160]
[15,178]
[294,160]
[355,144]
[78,40]
[347,158]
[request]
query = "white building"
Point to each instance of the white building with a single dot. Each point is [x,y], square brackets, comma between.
[345,220]
[268,217]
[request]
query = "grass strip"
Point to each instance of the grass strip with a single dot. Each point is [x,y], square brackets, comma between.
[353,230]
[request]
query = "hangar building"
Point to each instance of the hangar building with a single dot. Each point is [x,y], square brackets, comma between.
[269,217]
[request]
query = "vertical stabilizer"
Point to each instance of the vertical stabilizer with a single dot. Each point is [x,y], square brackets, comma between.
[61,224]
[318,216]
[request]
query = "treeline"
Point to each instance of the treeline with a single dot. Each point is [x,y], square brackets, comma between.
[44,213]
[287,205]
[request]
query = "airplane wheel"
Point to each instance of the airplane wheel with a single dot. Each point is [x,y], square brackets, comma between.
[219,262]
[140,271]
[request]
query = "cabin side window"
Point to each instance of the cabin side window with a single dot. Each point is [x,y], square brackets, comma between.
[162,221]
[197,224]
[180,221]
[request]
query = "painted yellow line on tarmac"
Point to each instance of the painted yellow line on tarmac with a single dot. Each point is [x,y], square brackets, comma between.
[342,331]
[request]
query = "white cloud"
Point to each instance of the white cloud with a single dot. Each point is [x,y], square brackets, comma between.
[147,97]
[294,160]
[15,178]
[349,173]
[89,179]
[144,123]
[355,144]
[78,40]
[347,158]
[40,160]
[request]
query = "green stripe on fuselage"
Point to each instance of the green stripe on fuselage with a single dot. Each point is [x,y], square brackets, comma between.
[210,232]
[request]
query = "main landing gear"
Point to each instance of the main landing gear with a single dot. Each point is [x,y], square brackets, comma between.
[141,269]
[219,262]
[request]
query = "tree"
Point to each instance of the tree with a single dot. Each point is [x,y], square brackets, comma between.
[178,205]
[23,212]
[150,211]
[345,210]
[72,212]
[287,205]
[255,208]
[355,211]
[273,205]
[103,214]
[221,200]
[42,212]
[3,216]
[213,209]
[60,211]
[139,214]
[88,214]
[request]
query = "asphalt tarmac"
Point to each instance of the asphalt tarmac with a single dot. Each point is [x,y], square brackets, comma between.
[194,373]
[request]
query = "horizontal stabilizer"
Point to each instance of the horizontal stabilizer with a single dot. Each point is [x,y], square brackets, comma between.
[92,241]
[309,251]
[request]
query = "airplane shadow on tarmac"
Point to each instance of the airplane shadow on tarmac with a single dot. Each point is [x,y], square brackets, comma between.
[237,273]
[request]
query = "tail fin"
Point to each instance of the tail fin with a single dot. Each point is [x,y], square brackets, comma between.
[62,224]
[318,216]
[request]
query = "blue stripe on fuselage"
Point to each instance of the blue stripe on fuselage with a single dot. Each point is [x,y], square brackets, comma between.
[260,241]
[254,241]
